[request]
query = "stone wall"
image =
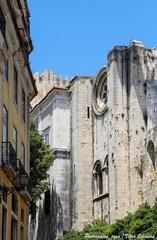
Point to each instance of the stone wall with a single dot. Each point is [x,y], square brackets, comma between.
[125,127]
[128,73]
[81,148]
[87,128]
[54,114]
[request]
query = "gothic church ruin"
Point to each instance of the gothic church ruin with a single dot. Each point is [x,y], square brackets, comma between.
[103,130]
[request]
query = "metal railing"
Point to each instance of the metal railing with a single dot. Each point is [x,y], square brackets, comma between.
[9,155]
[21,168]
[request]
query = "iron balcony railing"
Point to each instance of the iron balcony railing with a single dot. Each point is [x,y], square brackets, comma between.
[21,180]
[9,157]
[21,168]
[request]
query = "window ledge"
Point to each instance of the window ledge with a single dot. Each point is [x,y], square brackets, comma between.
[102,196]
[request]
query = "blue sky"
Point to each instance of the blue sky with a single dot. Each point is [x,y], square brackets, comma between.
[73,37]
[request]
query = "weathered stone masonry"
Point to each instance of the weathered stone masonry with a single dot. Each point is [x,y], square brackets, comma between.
[107,124]
[132,121]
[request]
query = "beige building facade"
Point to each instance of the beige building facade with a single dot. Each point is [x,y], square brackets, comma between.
[109,123]
[17,88]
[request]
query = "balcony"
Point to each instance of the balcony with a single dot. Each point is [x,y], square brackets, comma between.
[26,191]
[9,160]
[21,22]
[21,179]
[15,170]
[22,182]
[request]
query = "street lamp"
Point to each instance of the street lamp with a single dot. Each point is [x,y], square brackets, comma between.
[24,179]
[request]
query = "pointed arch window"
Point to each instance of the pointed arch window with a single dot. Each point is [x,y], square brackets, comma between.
[106,175]
[98,179]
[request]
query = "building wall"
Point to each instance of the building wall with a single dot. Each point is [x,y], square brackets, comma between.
[1,108]
[114,128]
[130,73]
[54,114]
[13,52]
[15,114]
[61,122]
[82,152]
[118,133]
[101,145]
[22,205]
[15,119]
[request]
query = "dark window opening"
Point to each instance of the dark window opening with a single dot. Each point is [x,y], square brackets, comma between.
[47,202]
[4,223]
[46,139]
[46,136]
[145,87]
[151,152]
[88,112]
[13,229]
[33,214]
[14,203]
[104,92]
[15,86]
[2,23]
[5,192]
[22,232]
[23,154]
[22,215]
[5,125]
[23,105]
[15,139]
[145,117]
[22,224]
[105,176]
[99,180]
[6,70]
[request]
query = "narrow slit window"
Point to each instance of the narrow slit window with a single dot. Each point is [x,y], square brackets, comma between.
[88,112]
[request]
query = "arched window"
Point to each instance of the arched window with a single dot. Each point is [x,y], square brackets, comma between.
[151,152]
[100,92]
[105,175]
[98,179]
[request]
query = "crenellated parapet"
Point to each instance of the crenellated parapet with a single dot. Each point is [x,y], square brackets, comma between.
[45,82]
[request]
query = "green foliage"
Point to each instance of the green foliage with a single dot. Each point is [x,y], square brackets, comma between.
[139,225]
[97,227]
[41,158]
[72,235]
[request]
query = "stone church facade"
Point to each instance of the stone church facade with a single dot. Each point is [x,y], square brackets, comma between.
[103,130]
